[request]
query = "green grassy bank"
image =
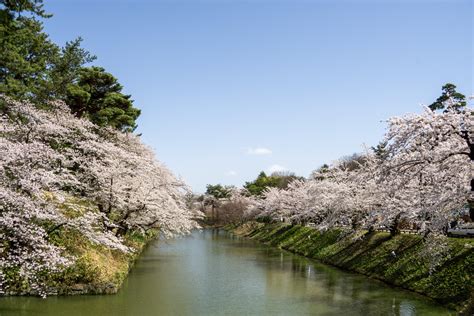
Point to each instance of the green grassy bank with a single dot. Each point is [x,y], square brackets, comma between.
[400,260]
[96,269]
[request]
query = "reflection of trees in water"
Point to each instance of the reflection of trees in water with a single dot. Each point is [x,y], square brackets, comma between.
[308,283]
[215,232]
[315,283]
[199,274]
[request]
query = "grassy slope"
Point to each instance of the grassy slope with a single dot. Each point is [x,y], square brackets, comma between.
[370,254]
[96,269]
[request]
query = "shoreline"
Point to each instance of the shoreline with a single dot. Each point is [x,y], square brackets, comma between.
[450,285]
[97,270]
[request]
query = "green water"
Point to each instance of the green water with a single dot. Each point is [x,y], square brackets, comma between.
[214,273]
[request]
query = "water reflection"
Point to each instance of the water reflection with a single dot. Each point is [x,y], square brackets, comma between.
[215,273]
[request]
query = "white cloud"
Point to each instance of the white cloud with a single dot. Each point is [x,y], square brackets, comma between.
[231,173]
[276,168]
[259,151]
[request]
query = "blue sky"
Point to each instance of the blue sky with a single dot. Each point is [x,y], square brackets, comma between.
[229,88]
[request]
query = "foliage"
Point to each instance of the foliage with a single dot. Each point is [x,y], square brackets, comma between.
[33,67]
[66,69]
[97,95]
[16,7]
[26,54]
[449,99]
[219,191]
[275,180]
[380,150]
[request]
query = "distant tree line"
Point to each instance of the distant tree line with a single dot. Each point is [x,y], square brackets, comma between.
[279,180]
[419,175]
[224,204]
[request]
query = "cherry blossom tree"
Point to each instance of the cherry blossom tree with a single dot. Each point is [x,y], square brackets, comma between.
[428,169]
[421,174]
[49,157]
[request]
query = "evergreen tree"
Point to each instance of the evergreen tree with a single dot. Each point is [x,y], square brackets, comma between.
[98,95]
[219,191]
[26,51]
[275,180]
[380,150]
[33,67]
[66,67]
[450,98]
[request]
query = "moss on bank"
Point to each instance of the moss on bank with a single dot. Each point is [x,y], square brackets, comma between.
[97,269]
[400,260]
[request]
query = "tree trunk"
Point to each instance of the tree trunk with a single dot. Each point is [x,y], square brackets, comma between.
[355,222]
[394,230]
[370,230]
[468,136]
[471,197]
[471,201]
